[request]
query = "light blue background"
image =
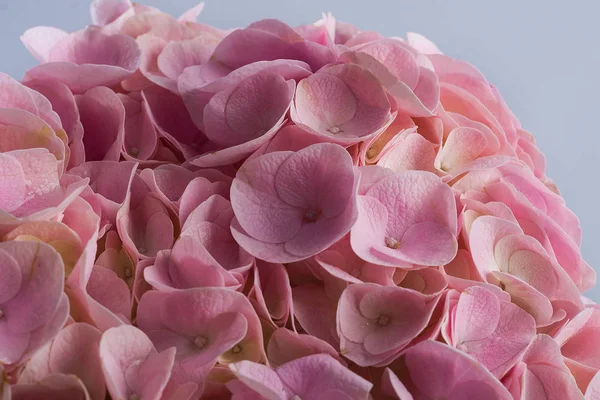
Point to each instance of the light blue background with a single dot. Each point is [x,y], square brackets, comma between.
[544,56]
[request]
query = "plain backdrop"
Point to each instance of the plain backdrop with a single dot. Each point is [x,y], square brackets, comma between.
[543,55]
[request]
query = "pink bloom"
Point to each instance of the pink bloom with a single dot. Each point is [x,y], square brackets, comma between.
[144,224]
[290,206]
[243,110]
[103,118]
[376,322]
[493,331]
[188,265]
[269,40]
[278,213]
[542,373]
[422,44]
[339,262]
[63,103]
[203,324]
[408,151]
[168,114]
[577,341]
[502,253]
[343,102]
[465,91]
[118,299]
[73,351]
[285,346]
[56,234]
[140,139]
[32,284]
[317,376]
[164,59]
[205,254]
[82,60]
[175,185]
[405,73]
[109,183]
[408,218]
[132,366]
[106,11]
[436,370]
[272,293]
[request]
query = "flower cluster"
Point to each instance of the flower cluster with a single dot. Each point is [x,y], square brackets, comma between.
[274,213]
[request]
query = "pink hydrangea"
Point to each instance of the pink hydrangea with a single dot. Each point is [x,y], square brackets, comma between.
[281,213]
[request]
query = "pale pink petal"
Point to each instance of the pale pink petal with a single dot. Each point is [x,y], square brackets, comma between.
[89,58]
[422,44]
[261,379]
[41,39]
[343,102]
[73,351]
[192,14]
[393,228]
[546,375]
[63,103]
[320,376]
[131,364]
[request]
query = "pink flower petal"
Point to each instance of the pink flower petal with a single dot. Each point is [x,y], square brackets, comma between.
[286,345]
[87,59]
[73,351]
[316,312]
[41,39]
[355,105]
[131,364]
[393,228]
[103,118]
[269,40]
[438,370]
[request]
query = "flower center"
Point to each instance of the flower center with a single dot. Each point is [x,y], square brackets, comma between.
[1,313]
[392,243]
[312,215]
[236,349]
[134,151]
[134,397]
[200,341]
[383,320]
[142,250]
[334,129]
[371,153]
[128,272]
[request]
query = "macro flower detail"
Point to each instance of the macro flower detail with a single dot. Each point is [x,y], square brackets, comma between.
[277,212]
